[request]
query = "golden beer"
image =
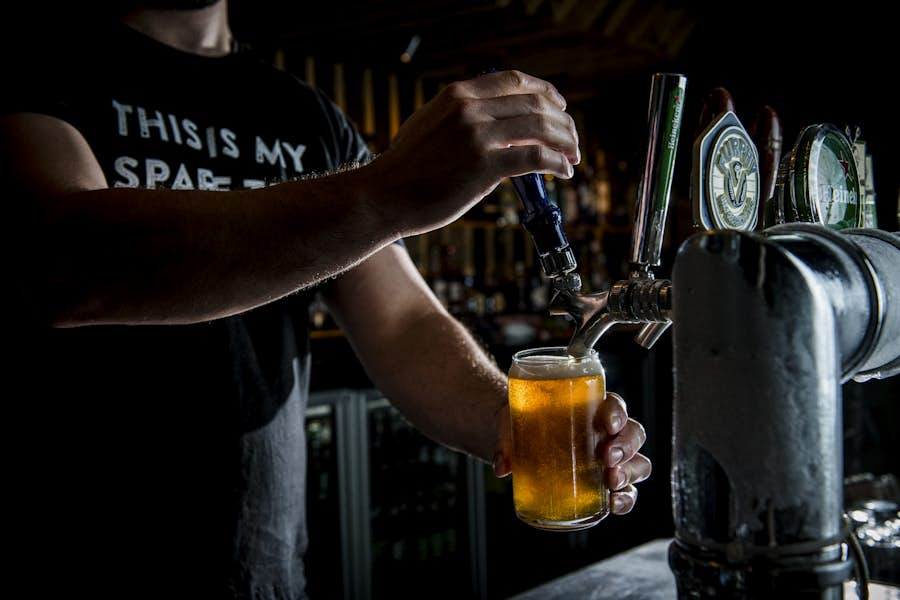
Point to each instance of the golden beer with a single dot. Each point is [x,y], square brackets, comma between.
[557,478]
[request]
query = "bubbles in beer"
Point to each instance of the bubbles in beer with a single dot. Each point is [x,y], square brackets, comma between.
[557,480]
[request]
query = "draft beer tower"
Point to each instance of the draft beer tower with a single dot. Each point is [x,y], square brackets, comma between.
[767,326]
[640,299]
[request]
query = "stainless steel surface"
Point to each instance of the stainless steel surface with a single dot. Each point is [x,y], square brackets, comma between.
[642,573]
[856,269]
[557,264]
[641,298]
[635,301]
[637,574]
[747,382]
[765,330]
[650,334]
[882,250]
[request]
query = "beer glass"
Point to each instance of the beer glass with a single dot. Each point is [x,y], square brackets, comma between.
[558,481]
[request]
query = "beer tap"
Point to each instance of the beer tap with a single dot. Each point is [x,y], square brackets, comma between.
[543,220]
[768,325]
[767,134]
[640,299]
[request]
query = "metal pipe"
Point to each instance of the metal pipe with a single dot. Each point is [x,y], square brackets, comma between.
[765,330]
[641,299]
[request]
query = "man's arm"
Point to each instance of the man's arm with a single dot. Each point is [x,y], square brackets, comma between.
[87,254]
[431,368]
[418,355]
[120,255]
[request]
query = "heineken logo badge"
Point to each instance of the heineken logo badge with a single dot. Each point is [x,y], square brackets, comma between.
[818,181]
[832,180]
[725,177]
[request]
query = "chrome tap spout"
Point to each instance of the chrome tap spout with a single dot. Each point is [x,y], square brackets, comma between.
[641,298]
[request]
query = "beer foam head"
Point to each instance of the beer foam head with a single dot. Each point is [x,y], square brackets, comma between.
[553,363]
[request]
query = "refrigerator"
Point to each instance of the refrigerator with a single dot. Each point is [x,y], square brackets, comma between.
[388,510]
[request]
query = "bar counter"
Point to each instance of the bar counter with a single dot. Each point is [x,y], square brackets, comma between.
[641,573]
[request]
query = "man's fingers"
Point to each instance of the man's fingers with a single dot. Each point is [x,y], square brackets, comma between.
[612,415]
[505,107]
[623,501]
[519,160]
[505,83]
[632,471]
[556,131]
[621,447]
[520,121]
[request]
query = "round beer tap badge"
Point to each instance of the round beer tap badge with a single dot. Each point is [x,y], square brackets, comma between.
[832,180]
[818,181]
[725,181]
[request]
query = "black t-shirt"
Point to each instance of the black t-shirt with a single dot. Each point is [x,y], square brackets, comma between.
[169,461]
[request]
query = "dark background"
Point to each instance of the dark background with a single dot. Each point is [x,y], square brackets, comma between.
[810,63]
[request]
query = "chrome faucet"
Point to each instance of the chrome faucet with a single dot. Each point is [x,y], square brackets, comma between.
[640,299]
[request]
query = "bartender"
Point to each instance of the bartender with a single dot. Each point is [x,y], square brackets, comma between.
[176,203]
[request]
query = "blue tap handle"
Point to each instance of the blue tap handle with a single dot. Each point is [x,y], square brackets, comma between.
[543,220]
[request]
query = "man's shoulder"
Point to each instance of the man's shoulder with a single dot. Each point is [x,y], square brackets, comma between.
[281,78]
[287,89]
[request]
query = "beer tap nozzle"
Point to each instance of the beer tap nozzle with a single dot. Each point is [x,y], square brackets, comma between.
[640,299]
[543,220]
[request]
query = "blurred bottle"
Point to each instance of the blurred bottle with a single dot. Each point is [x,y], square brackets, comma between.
[473,297]
[506,264]
[602,187]
[624,192]
[319,317]
[436,276]
[495,302]
[522,288]
[454,276]
[599,278]
[509,206]
[587,197]
[569,203]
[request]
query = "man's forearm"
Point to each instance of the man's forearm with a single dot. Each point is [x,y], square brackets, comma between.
[423,360]
[94,255]
[165,256]
[445,384]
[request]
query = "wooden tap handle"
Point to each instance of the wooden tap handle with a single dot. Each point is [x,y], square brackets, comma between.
[766,133]
[716,101]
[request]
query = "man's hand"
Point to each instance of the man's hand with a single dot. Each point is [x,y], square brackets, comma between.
[454,150]
[620,439]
